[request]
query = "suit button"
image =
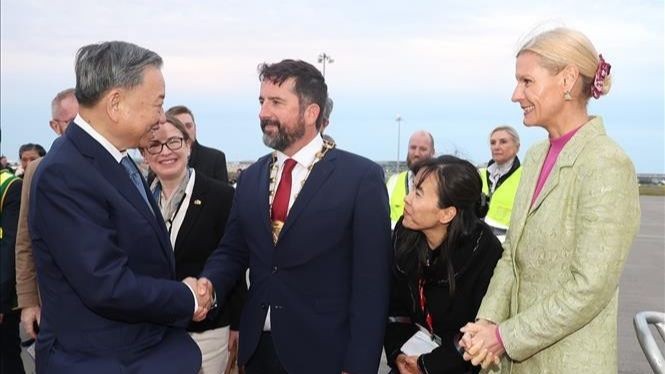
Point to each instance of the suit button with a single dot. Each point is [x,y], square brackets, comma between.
[274,269]
[264,306]
[277,307]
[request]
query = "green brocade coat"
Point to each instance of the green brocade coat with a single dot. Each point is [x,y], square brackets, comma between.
[554,291]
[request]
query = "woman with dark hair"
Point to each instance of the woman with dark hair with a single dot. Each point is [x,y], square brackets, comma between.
[444,258]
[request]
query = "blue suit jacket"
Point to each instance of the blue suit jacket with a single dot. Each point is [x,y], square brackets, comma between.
[327,279]
[105,267]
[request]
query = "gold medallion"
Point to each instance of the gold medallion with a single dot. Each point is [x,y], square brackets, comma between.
[276,229]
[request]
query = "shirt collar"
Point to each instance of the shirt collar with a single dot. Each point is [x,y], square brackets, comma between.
[498,170]
[306,155]
[110,148]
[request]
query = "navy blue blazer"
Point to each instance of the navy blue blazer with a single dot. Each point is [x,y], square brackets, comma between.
[105,267]
[327,279]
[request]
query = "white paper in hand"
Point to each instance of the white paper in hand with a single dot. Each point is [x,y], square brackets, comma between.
[420,343]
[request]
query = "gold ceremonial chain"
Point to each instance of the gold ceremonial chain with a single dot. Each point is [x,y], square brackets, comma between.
[278,225]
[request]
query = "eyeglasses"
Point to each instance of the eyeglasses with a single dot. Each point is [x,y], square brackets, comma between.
[174,143]
[63,121]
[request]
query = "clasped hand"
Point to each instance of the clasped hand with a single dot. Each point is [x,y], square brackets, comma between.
[204,296]
[480,343]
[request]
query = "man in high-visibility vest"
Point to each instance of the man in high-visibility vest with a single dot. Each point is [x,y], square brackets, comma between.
[421,147]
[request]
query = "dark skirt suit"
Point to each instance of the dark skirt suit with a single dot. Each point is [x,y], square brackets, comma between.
[198,236]
[473,263]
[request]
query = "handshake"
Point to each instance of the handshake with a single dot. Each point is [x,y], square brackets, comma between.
[482,343]
[205,296]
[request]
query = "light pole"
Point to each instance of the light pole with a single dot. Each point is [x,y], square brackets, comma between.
[323,58]
[399,122]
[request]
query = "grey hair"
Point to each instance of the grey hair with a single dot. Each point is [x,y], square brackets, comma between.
[510,130]
[62,95]
[328,109]
[101,67]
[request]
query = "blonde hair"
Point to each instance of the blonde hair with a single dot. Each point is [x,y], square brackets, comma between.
[510,130]
[561,47]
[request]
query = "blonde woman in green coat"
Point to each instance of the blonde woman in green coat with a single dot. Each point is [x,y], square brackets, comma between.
[551,306]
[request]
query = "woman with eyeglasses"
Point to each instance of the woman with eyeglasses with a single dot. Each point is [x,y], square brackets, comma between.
[195,209]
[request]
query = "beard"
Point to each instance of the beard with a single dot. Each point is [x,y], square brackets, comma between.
[284,137]
[410,163]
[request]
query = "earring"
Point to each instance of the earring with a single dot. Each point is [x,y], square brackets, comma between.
[567,97]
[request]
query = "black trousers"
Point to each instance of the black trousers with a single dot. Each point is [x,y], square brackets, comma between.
[265,360]
[10,344]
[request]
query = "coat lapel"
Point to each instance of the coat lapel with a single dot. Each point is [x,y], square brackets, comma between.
[532,164]
[193,211]
[263,192]
[567,157]
[319,174]
[117,176]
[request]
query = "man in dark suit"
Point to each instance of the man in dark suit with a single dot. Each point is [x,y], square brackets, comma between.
[110,301]
[205,160]
[312,223]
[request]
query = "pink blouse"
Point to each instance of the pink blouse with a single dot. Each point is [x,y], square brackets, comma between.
[556,145]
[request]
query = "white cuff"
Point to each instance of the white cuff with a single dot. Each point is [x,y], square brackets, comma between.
[196,302]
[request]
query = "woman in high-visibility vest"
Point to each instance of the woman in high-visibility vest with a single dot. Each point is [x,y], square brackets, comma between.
[501,177]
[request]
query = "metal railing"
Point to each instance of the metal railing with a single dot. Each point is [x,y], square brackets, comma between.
[642,321]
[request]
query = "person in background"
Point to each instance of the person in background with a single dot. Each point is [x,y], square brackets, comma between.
[444,258]
[10,340]
[28,153]
[64,108]
[325,121]
[501,178]
[552,303]
[205,160]
[421,147]
[195,209]
[4,164]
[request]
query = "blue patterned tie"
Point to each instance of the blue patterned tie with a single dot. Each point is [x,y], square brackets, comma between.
[136,178]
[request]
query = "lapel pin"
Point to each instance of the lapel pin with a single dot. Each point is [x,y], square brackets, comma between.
[197,202]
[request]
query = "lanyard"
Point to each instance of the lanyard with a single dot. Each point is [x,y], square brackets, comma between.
[423,305]
[169,221]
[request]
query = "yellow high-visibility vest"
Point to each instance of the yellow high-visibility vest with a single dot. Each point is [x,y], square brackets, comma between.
[6,179]
[501,201]
[397,190]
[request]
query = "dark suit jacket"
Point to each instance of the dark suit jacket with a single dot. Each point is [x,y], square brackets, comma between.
[209,161]
[327,279]
[198,236]
[106,272]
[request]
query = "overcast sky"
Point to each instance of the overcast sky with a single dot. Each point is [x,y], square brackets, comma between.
[444,66]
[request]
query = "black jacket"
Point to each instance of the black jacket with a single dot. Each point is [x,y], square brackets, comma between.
[9,223]
[209,161]
[199,235]
[474,264]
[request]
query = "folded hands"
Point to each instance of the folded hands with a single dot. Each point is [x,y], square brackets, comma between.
[482,343]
